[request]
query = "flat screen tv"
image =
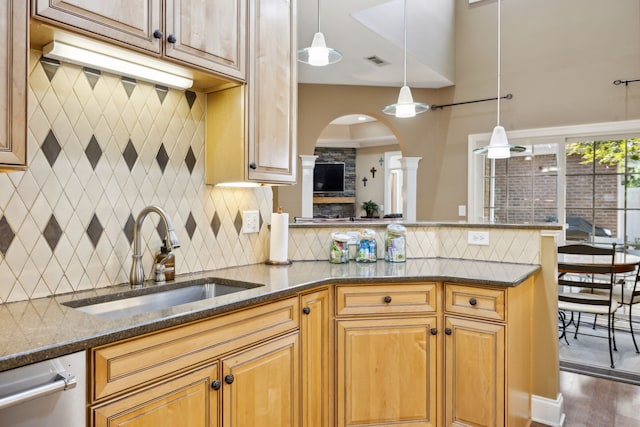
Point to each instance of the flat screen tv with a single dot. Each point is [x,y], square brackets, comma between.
[328,177]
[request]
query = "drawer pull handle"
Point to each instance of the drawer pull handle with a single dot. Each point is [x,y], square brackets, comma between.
[387,299]
[172,39]
[306,310]
[229,379]
[216,384]
[253,165]
[157,34]
[473,301]
[448,331]
[433,331]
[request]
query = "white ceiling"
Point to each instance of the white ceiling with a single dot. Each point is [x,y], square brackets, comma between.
[364,28]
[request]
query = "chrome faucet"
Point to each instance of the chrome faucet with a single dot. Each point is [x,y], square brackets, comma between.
[136,278]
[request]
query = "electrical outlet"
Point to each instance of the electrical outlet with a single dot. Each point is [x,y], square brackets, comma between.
[480,238]
[250,222]
[462,210]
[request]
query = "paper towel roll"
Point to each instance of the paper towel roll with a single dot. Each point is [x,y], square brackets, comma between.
[279,243]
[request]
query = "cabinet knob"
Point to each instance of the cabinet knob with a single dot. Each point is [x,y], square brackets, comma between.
[172,39]
[448,331]
[253,165]
[473,301]
[433,331]
[306,310]
[387,299]
[157,34]
[229,379]
[216,384]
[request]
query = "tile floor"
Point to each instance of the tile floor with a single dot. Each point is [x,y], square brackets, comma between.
[597,402]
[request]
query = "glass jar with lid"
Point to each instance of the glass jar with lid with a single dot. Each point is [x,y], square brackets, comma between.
[339,250]
[367,248]
[395,243]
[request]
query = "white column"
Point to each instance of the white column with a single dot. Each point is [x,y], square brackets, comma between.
[409,186]
[308,163]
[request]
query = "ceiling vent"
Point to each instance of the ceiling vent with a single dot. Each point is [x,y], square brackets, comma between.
[376,60]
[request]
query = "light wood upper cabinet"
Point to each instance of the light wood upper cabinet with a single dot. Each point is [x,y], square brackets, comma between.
[14,19]
[210,34]
[272,94]
[251,129]
[128,21]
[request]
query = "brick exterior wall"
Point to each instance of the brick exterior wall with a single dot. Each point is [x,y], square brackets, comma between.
[526,190]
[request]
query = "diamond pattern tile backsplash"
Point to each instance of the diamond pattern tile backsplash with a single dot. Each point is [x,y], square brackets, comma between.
[100,149]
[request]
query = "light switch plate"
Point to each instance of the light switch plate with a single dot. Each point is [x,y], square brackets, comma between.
[480,238]
[462,210]
[250,222]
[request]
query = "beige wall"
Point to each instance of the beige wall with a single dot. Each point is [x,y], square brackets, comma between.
[559,59]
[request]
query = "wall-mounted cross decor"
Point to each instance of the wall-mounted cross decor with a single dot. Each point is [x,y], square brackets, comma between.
[364,181]
[373,171]
[381,161]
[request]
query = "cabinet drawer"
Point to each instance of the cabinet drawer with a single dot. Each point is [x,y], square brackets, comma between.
[123,366]
[390,298]
[487,303]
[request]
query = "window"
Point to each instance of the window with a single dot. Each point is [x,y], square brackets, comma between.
[591,184]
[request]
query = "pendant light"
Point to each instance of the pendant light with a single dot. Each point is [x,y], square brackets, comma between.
[499,147]
[318,54]
[405,107]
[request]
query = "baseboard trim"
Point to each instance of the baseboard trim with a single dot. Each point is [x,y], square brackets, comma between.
[548,411]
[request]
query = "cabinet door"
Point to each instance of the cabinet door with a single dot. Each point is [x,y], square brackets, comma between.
[386,372]
[474,373]
[129,21]
[272,91]
[14,19]
[208,33]
[261,385]
[315,338]
[188,400]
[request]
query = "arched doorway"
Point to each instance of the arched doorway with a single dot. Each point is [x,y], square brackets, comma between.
[366,147]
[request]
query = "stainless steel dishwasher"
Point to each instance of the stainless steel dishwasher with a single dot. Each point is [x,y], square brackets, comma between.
[49,393]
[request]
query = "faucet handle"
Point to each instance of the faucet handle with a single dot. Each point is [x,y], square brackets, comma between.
[159,270]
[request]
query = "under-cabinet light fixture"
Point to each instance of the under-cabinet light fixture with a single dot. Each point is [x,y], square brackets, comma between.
[112,64]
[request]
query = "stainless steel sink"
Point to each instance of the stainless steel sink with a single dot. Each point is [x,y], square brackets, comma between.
[129,305]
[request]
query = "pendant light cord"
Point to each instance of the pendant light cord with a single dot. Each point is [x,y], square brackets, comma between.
[318,15]
[499,38]
[404,18]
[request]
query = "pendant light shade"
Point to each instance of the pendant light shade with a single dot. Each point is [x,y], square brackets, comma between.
[405,107]
[499,147]
[318,54]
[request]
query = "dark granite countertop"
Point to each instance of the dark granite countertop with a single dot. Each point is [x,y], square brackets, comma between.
[39,329]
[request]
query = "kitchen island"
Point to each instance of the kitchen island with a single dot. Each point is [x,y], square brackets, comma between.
[427,321]
[43,328]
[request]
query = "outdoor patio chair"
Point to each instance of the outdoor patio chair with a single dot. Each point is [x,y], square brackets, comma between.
[580,273]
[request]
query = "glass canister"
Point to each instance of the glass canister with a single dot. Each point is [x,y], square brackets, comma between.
[367,248]
[339,251]
[395,243]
